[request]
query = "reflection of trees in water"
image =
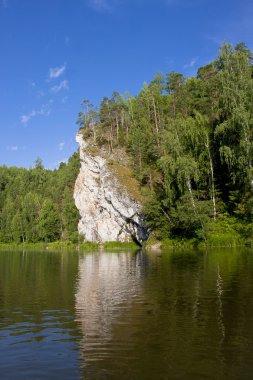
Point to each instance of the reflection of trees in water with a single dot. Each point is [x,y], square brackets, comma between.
[107,285]
[184,315]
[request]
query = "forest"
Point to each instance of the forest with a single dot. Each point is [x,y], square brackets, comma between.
[190,143]
[191,146]
[37,204]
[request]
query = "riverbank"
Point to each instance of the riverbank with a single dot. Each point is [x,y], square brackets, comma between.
[219,234]
[152,245]
[194,243]
[68,246]
[225,232]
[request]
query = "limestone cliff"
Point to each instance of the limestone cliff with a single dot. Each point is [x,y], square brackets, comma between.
[107,211]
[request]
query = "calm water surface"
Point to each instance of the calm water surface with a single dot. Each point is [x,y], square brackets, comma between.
[126,315]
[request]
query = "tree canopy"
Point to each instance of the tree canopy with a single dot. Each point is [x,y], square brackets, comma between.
[190,141]
[37,204]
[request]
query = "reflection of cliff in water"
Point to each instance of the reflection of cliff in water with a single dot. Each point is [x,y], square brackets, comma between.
[107,286]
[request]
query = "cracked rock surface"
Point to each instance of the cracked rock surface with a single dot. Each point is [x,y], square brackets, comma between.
[107,213]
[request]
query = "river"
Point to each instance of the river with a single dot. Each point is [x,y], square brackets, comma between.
[126,315]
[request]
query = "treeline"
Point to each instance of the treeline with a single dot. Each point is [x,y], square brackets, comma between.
[191,144]
[37,204]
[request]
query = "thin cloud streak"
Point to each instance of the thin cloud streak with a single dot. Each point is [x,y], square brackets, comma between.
[26,118]
[63,85]
[61,145]
[45,110]
[57,71]
[191,64]
[13,148]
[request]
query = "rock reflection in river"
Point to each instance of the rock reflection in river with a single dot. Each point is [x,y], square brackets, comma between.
[107,285]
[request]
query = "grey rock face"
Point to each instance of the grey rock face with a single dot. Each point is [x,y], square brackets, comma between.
[107,213]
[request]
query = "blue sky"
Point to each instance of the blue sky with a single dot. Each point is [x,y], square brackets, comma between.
[55,53]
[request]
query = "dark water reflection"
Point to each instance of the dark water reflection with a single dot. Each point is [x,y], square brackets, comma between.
[126,315]
[37,329]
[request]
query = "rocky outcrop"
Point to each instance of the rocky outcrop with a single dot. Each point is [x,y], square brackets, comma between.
[107,211]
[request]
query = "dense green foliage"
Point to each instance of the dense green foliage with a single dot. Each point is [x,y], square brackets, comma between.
[37,204]
[191,145]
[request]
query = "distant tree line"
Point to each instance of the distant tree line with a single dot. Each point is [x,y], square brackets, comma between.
[37,204]
[190,141]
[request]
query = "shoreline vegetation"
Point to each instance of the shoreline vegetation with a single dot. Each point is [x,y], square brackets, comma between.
[68,246]
[230,239]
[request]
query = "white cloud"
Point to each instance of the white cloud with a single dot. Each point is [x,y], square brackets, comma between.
[25,118]
[44,110]
[63,85]
[13,148]
[192,63]
[61,145]
[57,71]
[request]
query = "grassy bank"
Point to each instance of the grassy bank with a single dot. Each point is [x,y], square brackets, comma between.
[118,245]
[68,246]
[53,246]
[184,243]
[225,232]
